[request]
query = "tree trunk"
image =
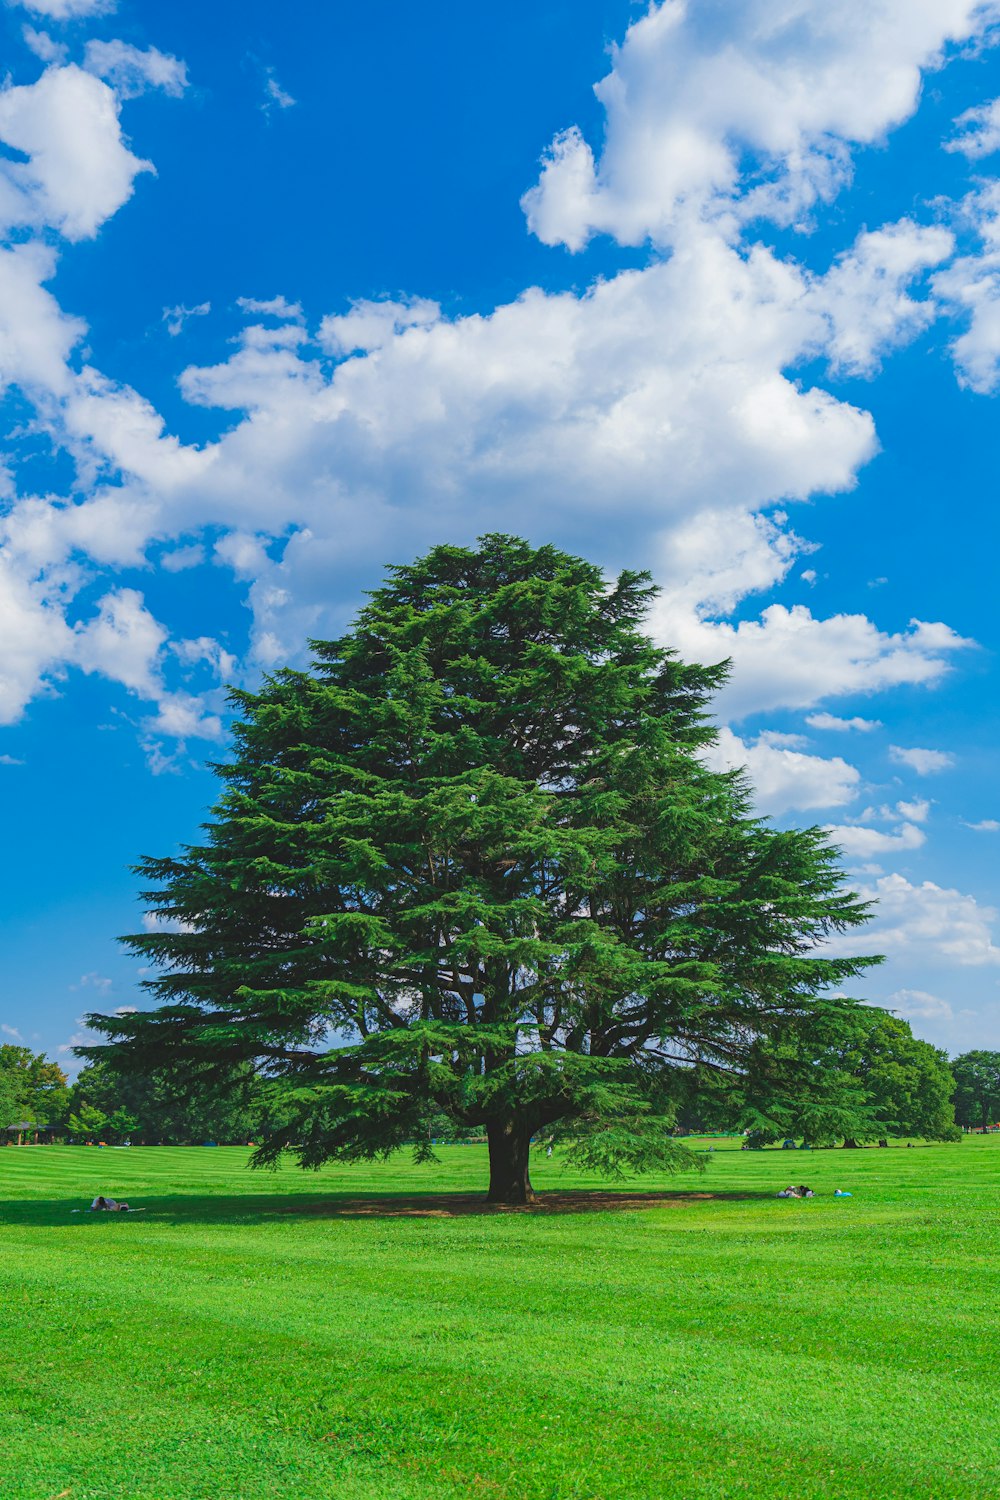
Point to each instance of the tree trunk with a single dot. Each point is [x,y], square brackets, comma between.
[509,1180]
[851,1144]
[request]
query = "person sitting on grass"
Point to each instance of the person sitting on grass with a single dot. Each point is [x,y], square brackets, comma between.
[108,1205]
[790,1192]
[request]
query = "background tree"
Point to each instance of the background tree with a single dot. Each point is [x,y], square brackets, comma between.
[473,863]
[166,1108]
[87,1122]
[853,1077]
[908,1083]
[37,1084]
[12,1109]
[977,1088]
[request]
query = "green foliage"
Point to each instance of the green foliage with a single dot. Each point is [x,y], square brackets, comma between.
[473,864]
[859,1077]
[173,1107]
[908,1083]
[977,1088]
[12,1105]
[87,1121]
[31,1087]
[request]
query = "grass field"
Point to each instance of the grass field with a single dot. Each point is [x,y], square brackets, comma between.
[255,1335]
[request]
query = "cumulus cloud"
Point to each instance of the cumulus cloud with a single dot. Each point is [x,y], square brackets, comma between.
[924,762]
[624,412]
[783,776]
[79,170]
[866,293]
[612,419]
[370,325]
[978,131]
[132,70]
[971,287]
[861,842]
[741,108]
[789,658]
[924,922]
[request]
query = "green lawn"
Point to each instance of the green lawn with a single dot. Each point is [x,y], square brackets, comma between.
[255,1335]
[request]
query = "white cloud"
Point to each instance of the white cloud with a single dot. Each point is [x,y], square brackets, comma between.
[370,325]
[789,658]
[66,10]
[34,635]
[841,726]
[11,1031]
[10,760]
[861,842]
[918,1005]
[204,650]
[979,131]
[783,777]
[924,762]
[865,293]
[44,46]
[132,70]
[176,317]
[624,412]
[180,558]
[123,642]
[704,99]
[923,923]
[79,170]
[971,285]
[275,97]
[271,307]
[987,825]
[916,811]
[611,420]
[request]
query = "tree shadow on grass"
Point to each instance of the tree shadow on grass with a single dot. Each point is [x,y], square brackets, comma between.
[268,1208]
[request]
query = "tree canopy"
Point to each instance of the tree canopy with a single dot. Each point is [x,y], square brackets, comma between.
[32,1087]
[861,1078]
[160,1108]
[474,864]
[977,1088]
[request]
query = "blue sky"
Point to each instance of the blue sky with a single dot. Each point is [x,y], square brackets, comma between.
[289,293]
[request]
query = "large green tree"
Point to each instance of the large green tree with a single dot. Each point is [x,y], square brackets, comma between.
[473,863]
[977,1088]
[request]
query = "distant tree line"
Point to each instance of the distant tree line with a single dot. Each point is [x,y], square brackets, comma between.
[882,1084]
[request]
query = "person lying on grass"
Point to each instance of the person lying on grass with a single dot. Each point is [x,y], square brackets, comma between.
[109,1205]
[797,1192]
